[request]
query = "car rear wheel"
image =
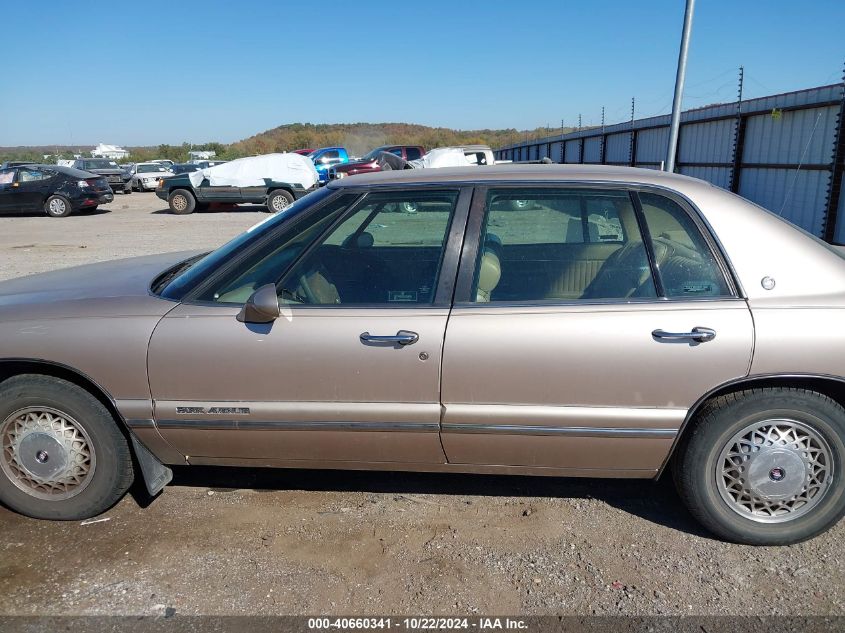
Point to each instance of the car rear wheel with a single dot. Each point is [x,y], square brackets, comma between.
[181,202]
[57,207]
[279,200]
[765,466]
[63,456]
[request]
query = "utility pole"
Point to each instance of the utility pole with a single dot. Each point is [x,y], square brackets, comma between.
[579,122]
[632,147]
[674,127]
[603,139]
[739,136]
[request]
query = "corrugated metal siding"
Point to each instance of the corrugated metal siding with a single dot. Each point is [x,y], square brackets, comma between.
[592,150]
[706,149]
[618,148]
[719,176]
[557,152]
[802,136]
[572,151]
[651,145]
[798,196]
[710,142]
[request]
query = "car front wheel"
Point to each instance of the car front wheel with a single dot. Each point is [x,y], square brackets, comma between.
[181,202]
[63,457]
[765,466]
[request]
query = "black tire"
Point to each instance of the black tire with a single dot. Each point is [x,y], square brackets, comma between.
[57,207]
[127,190]
[707,493]
[279,200]
[112,472]
[181,202]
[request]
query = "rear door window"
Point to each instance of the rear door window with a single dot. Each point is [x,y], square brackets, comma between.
[685,262]
[559,244]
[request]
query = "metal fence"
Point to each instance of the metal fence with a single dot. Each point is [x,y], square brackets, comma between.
[785,152]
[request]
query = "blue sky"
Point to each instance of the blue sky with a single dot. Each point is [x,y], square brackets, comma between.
[143,73]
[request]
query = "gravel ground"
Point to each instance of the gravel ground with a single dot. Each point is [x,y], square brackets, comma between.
[240,541]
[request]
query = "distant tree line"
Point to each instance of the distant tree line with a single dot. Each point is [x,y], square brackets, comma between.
[358,138]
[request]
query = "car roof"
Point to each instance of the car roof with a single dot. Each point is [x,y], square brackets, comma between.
[514,173]
[68,171]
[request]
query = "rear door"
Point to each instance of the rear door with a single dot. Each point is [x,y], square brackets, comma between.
[587,322]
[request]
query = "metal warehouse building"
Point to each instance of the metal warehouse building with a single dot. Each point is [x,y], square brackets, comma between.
[785,152]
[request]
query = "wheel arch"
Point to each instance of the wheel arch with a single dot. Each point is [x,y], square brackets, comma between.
[826,384]
[10,367]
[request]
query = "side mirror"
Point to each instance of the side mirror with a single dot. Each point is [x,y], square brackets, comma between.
[261,307]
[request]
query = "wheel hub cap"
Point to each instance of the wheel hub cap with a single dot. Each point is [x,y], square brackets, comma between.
[46,453]
[774,471]
[279,203]
[180,203]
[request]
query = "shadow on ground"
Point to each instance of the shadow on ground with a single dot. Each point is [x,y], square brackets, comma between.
[654,501]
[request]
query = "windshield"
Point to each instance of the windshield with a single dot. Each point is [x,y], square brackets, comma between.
[100,164]
[143,169]
[195,272]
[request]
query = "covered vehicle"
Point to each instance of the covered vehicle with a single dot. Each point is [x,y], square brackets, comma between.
[56,190]
[145,176]
[273,180]
[627,322]
[371,162]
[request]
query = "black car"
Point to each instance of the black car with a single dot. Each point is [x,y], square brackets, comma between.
[184,168]
[54,189]
[16,163]
[119,179]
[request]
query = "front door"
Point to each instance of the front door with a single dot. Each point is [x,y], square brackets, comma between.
[7,189]
[587,322]
[320,383]
[33,187]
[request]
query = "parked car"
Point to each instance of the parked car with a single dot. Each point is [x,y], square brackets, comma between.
[369,162]
[163,161]
[117,177]
[183,168]
[275,183]
[58,191]
[327,157]
[624,325]
[145,176]
[17,163]
[203,164]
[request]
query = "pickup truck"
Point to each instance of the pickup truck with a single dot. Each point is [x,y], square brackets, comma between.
[183,198]
[369,162]
[118,178]
[327,157]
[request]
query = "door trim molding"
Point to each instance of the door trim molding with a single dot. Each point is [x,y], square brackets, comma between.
[281,425]
[570,431]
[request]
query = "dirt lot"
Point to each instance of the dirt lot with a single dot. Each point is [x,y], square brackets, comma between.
[239,541]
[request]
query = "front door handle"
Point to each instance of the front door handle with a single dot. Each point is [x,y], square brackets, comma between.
[402,337]
[698,334]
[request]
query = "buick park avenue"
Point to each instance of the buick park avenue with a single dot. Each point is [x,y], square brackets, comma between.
[576,321]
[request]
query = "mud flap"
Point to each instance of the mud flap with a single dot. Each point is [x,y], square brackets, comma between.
[156,475]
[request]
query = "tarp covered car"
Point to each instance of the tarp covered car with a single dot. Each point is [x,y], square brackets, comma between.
[256,170]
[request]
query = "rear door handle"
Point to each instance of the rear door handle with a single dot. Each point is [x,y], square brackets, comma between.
[699,334]
[402,337]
